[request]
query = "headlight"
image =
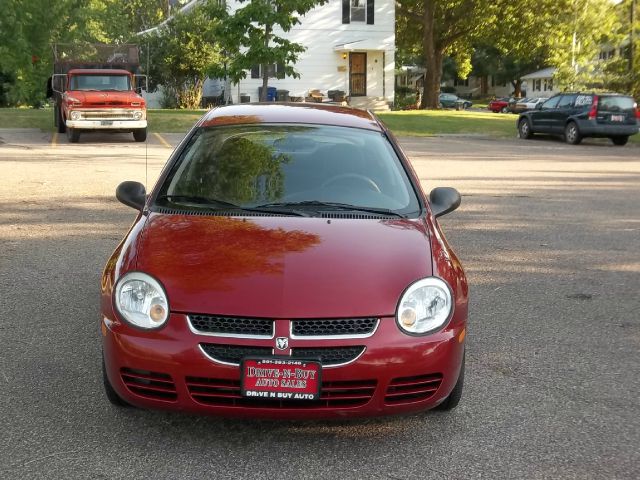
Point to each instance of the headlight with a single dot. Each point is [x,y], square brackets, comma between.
[75,115]
[425,306]
[141,300]
[137,115]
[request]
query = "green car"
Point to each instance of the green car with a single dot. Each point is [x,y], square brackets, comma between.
[449,100]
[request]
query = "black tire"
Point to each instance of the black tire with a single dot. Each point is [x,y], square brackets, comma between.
[61,127]
[454,397]
[111,394]
[73,135]
[572,134]
[620,141]
[524,129]
[140,135]
[504,110]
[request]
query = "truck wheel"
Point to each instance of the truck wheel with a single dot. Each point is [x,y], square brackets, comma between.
[140,135]
[60,121]
[524,129]
[621,140]
[73,135]
[572,134]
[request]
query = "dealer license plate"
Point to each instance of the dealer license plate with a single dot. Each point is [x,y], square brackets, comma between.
[617,118]
[281,378]
[106,122]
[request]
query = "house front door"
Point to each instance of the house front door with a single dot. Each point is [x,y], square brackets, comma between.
[357,74]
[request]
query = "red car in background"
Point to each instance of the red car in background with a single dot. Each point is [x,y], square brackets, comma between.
[287,264]
[499,105]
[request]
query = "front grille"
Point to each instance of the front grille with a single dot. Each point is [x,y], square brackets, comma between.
[106,115]
[329,355]
[234,353]
[334,327]
[232,326]
[158,386]
[222,392]
[412,389]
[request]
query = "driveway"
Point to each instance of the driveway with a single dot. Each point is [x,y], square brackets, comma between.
[550,238]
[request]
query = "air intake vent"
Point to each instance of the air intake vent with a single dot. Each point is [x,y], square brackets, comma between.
[352,327]
[216,213]
[233,354]
[158,386]
[224,392]
[231,326]
[329,356]
[412,389]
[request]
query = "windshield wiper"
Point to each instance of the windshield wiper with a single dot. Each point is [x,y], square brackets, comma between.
[336,206]
[214,204]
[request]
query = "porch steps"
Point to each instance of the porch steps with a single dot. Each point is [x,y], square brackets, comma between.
[377,104]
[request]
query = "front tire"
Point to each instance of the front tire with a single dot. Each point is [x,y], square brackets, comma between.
[454,397]
[73,135]
[61,127]
[109,391]
[524,129]
[572,134]
[620,141]
[140,135]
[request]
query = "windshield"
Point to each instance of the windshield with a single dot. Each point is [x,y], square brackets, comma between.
[100,82]
[296,166]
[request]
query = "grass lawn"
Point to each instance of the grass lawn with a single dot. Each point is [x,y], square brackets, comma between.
[411,123]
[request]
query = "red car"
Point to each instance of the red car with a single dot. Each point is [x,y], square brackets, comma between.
[499,105]
[286,264]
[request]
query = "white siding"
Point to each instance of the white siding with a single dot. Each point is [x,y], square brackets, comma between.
[320,31]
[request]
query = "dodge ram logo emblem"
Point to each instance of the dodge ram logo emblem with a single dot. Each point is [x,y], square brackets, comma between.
[282,343]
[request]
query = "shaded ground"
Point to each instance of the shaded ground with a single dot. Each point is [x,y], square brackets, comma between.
[549,235]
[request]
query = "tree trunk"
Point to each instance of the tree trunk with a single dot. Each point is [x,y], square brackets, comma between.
[433,60]
[484,85]
[517,88]
[265,67]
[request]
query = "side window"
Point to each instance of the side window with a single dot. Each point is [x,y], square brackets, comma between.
[358,11]
[551,103]
[583,101]
[566,101]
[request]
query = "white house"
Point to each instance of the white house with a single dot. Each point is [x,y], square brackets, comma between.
[540,83]
[350,47]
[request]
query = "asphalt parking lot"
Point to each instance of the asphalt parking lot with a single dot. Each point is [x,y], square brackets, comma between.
[550,238]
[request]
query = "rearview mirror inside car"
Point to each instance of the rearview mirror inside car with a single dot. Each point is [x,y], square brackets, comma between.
[132,194]
[444,200]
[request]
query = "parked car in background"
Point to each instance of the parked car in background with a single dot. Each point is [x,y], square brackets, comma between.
[449,100]
[499,105]
[512,103]
[528,103]
[287,264]
[580,115]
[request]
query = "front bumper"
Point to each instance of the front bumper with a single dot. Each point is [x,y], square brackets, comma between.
[167,369]
[106,124]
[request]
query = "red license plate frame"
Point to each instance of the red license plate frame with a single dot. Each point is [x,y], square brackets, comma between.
[280,378]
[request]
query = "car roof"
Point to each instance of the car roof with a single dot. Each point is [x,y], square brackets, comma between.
[305,113]
[98,71]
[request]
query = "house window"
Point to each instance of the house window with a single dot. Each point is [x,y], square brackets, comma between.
[358,11]
[458,82]
[273,70]
[548,84]
[537,85]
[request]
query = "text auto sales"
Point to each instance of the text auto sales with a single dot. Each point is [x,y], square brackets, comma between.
[276,378]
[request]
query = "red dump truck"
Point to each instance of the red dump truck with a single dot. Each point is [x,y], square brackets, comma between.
[97,87]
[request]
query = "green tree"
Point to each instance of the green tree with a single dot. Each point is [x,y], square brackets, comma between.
[183,50]
[249,37]
[443,27]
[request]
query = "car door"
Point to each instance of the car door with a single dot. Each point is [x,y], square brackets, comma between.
[558,116]
[541,119]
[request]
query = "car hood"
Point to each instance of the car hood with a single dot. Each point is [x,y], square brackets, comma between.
[89,99]
[284,267]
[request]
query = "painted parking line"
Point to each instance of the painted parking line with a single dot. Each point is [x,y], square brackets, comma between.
[162,140]
[54,140]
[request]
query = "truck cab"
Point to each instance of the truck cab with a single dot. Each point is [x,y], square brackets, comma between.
[101,99]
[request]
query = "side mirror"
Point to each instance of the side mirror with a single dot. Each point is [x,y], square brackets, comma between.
[444,200]
[132,194]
